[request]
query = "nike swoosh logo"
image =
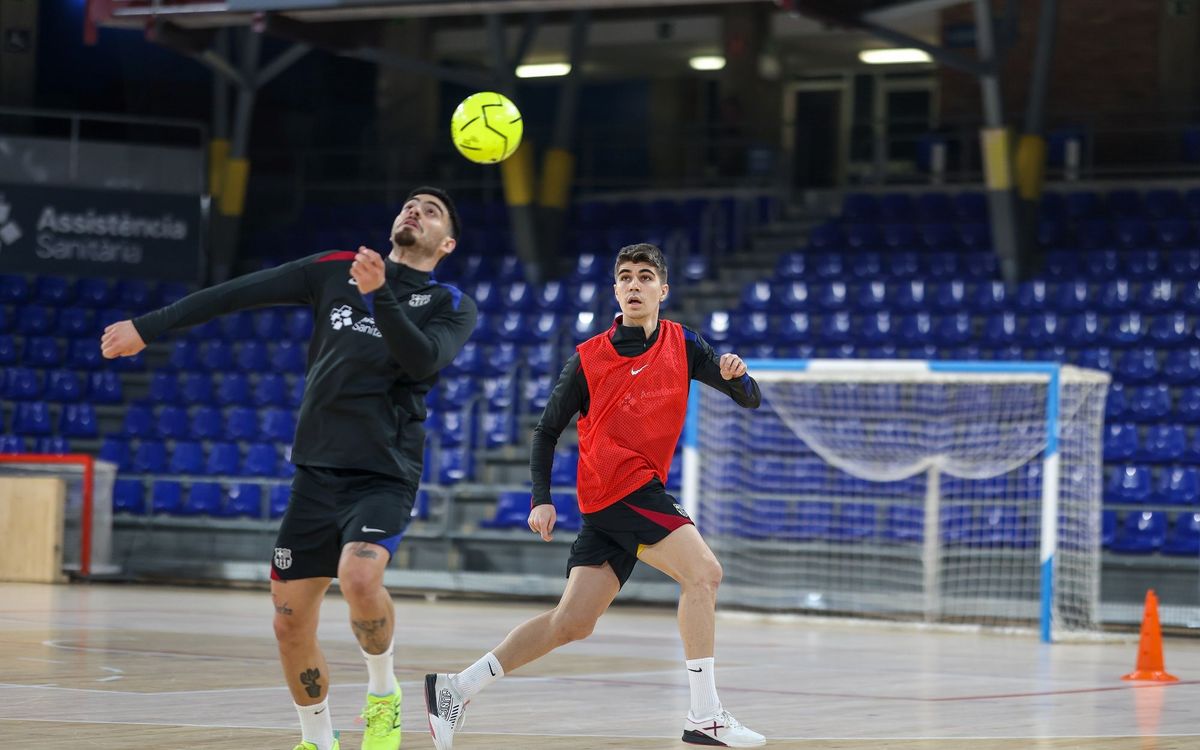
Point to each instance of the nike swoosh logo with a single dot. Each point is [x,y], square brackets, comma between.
[695,670]
[354,282]
[635,372]
[367,530]
[318,713]
[491,670]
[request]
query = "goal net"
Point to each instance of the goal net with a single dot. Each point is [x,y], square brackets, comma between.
[948,492]
[87,512]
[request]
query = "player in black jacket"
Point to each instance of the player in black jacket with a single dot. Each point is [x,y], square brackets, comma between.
[383,330]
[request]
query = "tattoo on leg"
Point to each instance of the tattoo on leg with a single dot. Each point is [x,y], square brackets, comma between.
[283,609]
[373,635]
[311,680]
[363,550]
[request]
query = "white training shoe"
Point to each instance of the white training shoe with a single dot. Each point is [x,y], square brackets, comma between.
[721,730]
[446,708]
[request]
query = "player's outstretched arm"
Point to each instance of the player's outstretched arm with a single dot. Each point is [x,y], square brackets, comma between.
[283,285]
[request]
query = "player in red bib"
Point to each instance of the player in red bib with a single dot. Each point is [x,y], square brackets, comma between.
[630,386]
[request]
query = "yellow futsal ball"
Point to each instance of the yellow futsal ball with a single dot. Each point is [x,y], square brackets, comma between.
[486,127]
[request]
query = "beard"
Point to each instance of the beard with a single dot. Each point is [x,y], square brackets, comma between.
[404,237]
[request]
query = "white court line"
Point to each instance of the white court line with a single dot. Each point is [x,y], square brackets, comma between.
[921,738]
[109,679]
[47,661]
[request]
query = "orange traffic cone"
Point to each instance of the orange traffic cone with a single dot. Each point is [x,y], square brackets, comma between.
[1150,652]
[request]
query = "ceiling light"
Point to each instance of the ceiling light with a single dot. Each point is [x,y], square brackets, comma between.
[707,62]
[893,56]
[543,70]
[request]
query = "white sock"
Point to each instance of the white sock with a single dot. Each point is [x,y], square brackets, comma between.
[477,676]
[381,672]
[315,725]
[703,681]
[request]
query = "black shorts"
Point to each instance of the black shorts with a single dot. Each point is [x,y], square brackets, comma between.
[330,508]
[617,533]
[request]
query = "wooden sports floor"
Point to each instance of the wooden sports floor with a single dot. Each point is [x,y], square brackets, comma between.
[117,667]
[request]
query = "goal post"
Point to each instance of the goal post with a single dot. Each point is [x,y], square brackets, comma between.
[88,481]
[937,491]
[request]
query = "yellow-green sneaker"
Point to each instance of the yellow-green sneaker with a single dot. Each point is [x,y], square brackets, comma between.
[382,715]
[337,745]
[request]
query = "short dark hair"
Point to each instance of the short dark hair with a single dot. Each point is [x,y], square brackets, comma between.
[643,252]
[444,197]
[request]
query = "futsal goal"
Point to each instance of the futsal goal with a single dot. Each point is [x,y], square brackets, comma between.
[942,492]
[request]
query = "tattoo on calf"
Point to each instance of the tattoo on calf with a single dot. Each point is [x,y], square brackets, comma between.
[373,635]
[311,680]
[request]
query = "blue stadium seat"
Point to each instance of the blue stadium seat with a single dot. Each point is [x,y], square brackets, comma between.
[23,384]
[187,457]
[499,392]
[150,457]
[1144,264]
[295,392]
[1137,366]
[468,361]
[1121,442]
[837,328]
[942,265]
[95,293]
[1173,232]
[829,266]
[298,324]
[1164,443]
[1116,295]
[1142,533]
[950,296]
[223,459]
[136,295]
[866,266]
[251,356]
[278,425]
[1098,358]
[209,330]
[999,330]
[1073,296]
[454,392]
[1183,538]
[1128,484]
[32,418]
[911,296]
[855,522]
[903,265]
[1032,296]
[498,428]
[899,236]
[270,390]
[511,327]
[1187,405]
[792,329]
[1177,485]
[8,350]
[268,325]
[203,499]
[278,499]
[36,320]
[172,422]
[1169,330]
[990,296]
[585,325]
[757,296]
[904,524]
[1093,234]
[260,460]
[952,330]
[76,322]
[791,296]
[233,389]
[184,355]
[1158,296]
[551,296]
[876,329]
[166,496]
[43,352]
[563,472]
[85,355]
[871,296]
[517,296]
[1044,329]
[453,427]
[245,499]
[237,326]
[116,450]
[54,291]
[1108,528]
[164,389]
[454,465]
[915,330]
[63,385]
[512,512]
[501,359]
[129,496]
[138,422]
[207,423]
[216,356]
[791,266]
[55,445]
[862,236]
[1127,330]
[752,329]
[105,388]
[832,295]
[14,290]
[78,421]
[1131,232]
[196,388]
[825,235]
[1149,403]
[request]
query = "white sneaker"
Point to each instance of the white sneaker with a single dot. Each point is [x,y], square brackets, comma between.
[721,730]
[446,708]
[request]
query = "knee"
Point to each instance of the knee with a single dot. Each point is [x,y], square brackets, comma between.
[359,582]
[293,628]
[706,577]
[572,627]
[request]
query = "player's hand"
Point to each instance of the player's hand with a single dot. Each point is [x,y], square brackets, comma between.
[367,270]
[541,520]
[121,339]
[732,366]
